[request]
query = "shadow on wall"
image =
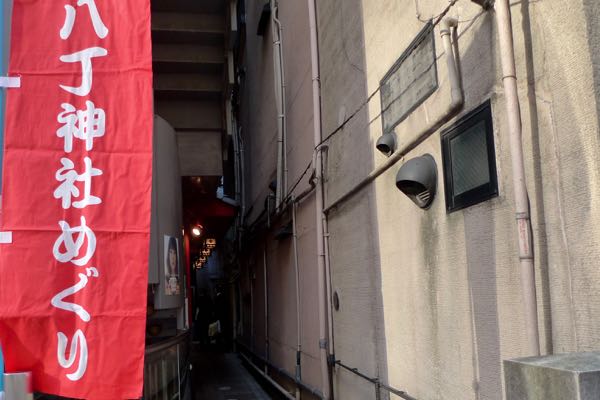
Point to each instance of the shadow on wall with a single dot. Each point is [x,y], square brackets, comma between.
[481,269]
[538,189]
[592,11]
[359,336]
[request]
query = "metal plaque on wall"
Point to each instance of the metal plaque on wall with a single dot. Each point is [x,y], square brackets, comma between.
[410,81]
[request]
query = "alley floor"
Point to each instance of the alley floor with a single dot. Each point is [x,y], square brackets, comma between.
[222,376]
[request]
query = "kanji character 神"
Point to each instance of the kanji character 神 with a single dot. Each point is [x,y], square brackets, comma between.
[82,124]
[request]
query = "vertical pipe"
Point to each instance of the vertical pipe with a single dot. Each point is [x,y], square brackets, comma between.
[298,310]
[328,291]
[234,316]
[284,177]
[524,234]
[323,333]
[266,307]
[279,101]
[252,309]
[178,374]
[242,176]
[331,347]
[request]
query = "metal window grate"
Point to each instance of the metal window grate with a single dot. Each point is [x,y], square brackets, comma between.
[470,160]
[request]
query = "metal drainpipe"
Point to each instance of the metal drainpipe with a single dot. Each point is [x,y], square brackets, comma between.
[266,308]
[298,310]
[279,100]
[284,177]
[242,202]
[524,233]
[323,312]
[252,309]
[328,290]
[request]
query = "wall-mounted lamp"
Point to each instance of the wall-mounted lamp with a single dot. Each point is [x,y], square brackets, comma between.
[197,230]
[417,179]
[206,253]
[386,144]
[210,243]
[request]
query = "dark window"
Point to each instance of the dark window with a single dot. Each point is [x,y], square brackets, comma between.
[470,160]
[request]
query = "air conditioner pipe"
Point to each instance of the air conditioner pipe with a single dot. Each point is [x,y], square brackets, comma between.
[323,311]
[456,103]
[524,233]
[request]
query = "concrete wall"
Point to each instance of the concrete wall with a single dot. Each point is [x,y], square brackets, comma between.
[430,301]
[259,119]
[166,212]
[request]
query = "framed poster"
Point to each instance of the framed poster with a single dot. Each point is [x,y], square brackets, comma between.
[172,279]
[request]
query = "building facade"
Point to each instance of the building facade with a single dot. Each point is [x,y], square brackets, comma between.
[429,301]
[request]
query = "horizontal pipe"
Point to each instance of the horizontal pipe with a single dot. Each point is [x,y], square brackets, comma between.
[268,378]
[377,382]
[305,386]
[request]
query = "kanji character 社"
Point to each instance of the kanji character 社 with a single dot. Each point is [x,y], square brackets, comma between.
[82,124]
[85,58]
[72,247]
[99,27]
[67,189]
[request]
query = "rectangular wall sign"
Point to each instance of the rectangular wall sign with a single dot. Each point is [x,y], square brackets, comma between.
[410,81]
[76,196]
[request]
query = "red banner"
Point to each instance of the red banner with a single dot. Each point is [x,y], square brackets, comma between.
[76,196]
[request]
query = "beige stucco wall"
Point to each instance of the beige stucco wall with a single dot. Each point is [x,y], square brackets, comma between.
[431,302]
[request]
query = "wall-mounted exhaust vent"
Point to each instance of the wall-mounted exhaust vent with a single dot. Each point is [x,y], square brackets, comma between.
[417,179]
[386,144]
